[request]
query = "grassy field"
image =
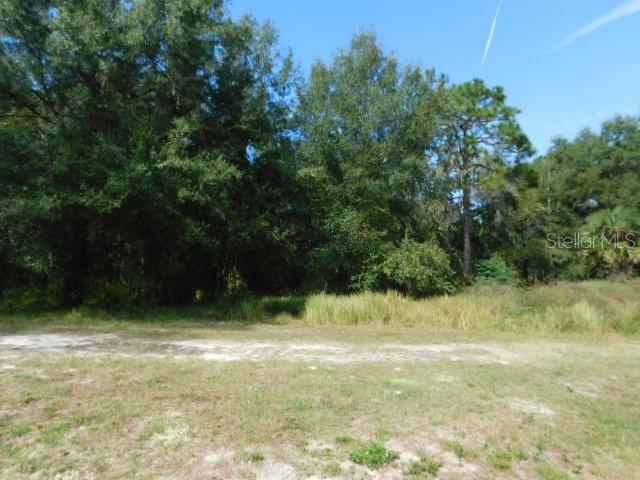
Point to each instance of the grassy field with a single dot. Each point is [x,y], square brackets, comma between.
[564,405]
[557,410]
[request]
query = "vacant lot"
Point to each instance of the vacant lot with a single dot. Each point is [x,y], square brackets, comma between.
[492,383]
[297,402]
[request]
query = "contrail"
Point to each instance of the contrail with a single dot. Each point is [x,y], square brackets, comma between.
[627,8]
[487,47]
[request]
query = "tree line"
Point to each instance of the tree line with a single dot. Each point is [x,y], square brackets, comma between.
[157,151]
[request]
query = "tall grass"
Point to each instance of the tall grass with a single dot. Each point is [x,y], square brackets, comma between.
[595,306]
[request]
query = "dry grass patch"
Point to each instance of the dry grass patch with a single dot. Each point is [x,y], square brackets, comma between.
[595,306]
[189,418]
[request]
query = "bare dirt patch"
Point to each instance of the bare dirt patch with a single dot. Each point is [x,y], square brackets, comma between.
[259,351]
[48,342]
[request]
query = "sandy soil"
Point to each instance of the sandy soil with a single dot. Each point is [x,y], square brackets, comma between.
[258,351]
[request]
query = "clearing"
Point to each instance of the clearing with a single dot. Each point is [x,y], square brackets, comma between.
[297,402]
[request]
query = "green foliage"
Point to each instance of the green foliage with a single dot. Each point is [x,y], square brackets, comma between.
[366,125]
[494,269]
[160,152]
[350,242]
[372,455]
[568,264]
[419,269]
[587,185]
[29,298]
[479,135]
[136,158]
[372,276]
[615,245]
[113,295]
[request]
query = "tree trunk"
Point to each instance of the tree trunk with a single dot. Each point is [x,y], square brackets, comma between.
[466,215]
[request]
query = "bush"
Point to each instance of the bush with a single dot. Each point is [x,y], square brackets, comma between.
[419,269]
[30,298]
[372,275]
[113,295]
[532,262]
[567,264]
[494,269]
[574,271]
[350,246]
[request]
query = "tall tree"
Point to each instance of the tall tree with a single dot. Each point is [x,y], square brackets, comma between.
[366,126]
[588,185]
[479,133]
[144,125]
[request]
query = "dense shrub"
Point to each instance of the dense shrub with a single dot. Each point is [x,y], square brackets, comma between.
[418,269]
[574,271]
[350,245]
[494,269]
[116,295]
[29,298]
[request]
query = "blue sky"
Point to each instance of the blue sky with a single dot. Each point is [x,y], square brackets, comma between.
[591,76]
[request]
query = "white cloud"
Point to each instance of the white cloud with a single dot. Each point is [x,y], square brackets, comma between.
[624,10]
